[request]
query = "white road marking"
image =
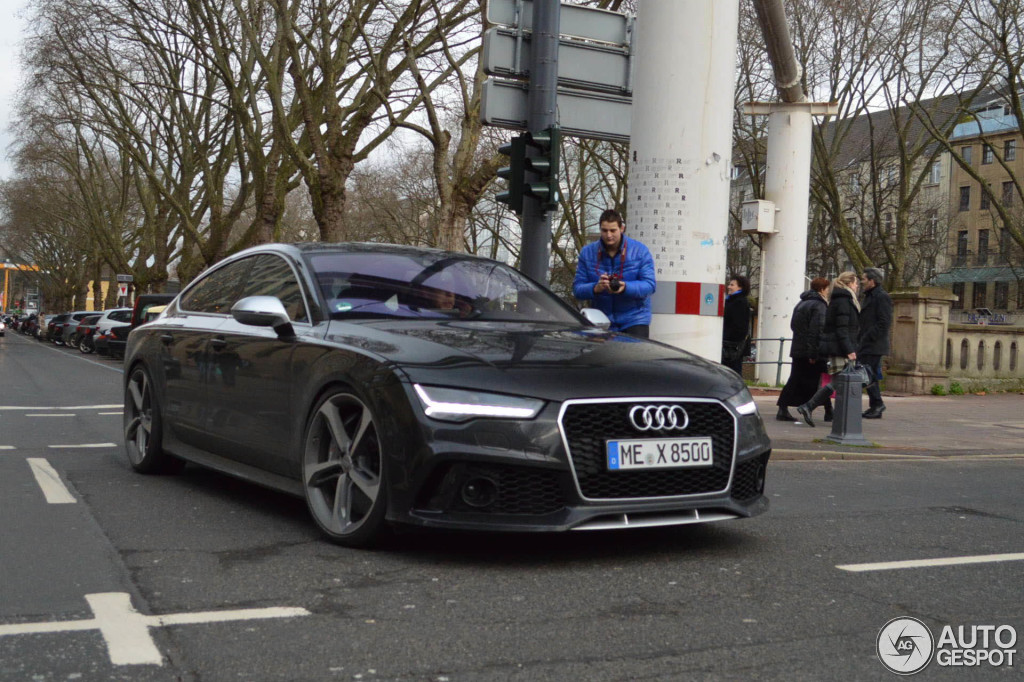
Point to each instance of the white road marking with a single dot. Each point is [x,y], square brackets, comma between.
[57,414]
[82,445]
[926,563]
[6,447]
[126,631]
[67,407]
[48,479]
[104,414]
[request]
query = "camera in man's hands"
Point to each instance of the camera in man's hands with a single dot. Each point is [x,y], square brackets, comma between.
[615,284]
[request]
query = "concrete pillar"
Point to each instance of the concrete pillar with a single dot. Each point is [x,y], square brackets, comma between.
[920,322]
[680,161]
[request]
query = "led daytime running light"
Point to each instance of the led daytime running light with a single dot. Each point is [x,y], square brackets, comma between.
[435,408]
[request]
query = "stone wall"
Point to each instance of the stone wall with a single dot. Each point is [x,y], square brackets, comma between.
[979,356]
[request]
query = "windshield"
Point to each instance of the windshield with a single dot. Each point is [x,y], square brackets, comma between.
[433,286]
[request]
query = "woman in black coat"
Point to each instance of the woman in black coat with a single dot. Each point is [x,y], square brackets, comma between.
[839,338]
[736,324]
[807,323]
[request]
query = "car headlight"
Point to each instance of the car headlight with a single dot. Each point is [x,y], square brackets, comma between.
[456,405]
[743,402]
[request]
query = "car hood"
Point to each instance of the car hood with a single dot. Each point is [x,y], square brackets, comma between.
[541,360]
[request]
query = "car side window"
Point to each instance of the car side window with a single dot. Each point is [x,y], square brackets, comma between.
[219,290]
[272,276]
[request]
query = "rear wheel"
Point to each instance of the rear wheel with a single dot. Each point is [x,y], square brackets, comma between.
[343,471]
[143,427]
[85,345]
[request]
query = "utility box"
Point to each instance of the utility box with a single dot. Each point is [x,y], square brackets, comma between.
[758,215]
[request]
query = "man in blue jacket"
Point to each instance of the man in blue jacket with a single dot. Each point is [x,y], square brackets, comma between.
[617,274]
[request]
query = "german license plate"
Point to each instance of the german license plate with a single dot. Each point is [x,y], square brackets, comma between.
[665,453]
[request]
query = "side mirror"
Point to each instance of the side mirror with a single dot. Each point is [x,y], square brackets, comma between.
[263,311]
[596,318]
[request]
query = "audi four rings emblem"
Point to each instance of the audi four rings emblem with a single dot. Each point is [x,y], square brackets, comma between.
[659,417]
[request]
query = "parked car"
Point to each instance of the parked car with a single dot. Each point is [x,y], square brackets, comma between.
[82,337]
[116,338]
[331,371]
[110,318]
[3,327]
[61,328]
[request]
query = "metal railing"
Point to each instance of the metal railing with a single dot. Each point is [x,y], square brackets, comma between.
[783,359]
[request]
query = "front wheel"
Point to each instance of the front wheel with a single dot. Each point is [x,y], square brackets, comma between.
[343,471]
[143,427]
[85,345]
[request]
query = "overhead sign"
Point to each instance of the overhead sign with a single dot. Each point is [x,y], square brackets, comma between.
[577,21]
[580,114]
[581,65]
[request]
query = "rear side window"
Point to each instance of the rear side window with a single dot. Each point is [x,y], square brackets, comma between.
[272,276]
[217,291]
[120,316]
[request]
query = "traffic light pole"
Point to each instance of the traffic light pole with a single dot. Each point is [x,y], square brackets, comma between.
[536,222]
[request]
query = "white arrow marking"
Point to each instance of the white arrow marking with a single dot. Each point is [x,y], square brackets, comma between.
[126,631]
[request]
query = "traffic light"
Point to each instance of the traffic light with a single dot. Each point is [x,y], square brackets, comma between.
[516,151]
[543,161]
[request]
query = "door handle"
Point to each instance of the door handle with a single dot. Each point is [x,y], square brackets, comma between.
[166,339]
[218,342]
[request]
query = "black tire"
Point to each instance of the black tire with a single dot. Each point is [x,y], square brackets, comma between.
[85,345]
[343,473]
[143,427]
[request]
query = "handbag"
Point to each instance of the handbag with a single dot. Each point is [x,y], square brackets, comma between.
[732,351]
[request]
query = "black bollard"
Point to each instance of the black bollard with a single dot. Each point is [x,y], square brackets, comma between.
[846,419]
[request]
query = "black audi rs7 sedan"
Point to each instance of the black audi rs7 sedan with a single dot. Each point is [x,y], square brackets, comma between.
[392,385]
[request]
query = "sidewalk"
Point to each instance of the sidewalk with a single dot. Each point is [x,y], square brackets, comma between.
[918,426]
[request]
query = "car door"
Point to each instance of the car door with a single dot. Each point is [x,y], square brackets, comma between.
[250,390]
[185,334]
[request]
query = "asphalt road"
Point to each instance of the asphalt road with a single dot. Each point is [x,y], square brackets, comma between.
[109,575]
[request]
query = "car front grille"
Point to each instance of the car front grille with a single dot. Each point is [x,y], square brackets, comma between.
[587,426]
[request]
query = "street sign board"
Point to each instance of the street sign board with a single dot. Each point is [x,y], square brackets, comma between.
[125,278]
[580,114]
[122,290]
[581,65]
[587,23]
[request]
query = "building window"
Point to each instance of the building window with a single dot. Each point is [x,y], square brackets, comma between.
[933,223]
[1008,193]
[949,353]
[888,223]
[979,294]
[1004,246]
[965,198]
[981,355]
[983,204]
[997,355]
[961,249]
[936,173]
[965,350]
[965,154]
[855,183]
[1013,356]
[986,154]
[958,291]
[1001,295]
[1009,150]
[982,247]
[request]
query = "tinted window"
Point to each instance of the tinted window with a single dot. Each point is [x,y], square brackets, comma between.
[120,316]
[217,291]
[427,285]
[272,276]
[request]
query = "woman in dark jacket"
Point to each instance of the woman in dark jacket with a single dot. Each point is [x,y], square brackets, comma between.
[840,336]
[807,323]
[736,324]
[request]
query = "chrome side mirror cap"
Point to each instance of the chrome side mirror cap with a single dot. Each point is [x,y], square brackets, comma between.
[263,311]
[596,318]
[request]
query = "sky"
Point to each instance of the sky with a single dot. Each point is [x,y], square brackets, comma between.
[11,26]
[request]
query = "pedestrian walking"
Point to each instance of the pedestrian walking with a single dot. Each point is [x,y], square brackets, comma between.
[807,324]
[736,323]
[617,274]
[839,338]
[875,325]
